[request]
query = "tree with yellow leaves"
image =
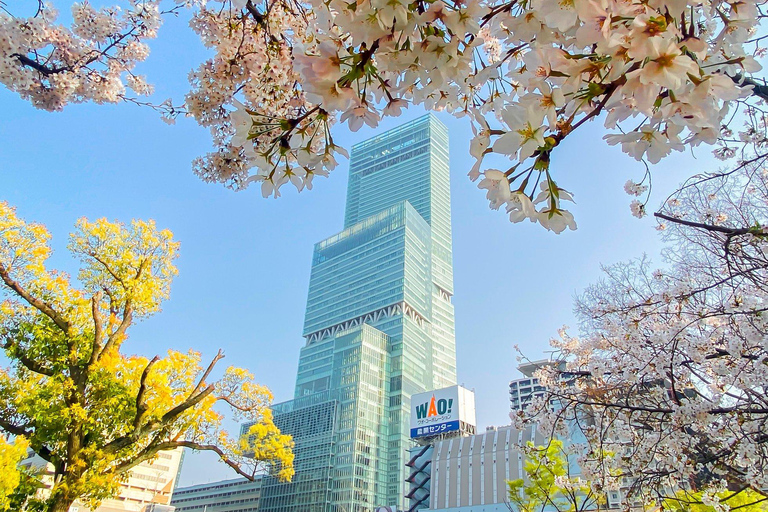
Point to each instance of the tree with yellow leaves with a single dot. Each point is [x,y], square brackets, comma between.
[10,476]
[92,412]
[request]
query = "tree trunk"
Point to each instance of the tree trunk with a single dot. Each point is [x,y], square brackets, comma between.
[59,503]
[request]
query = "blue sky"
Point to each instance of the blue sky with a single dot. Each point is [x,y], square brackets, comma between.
[245,261]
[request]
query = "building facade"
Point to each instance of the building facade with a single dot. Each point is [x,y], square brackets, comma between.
[237,495]
[469,473]
[379,327]
[151,482]
[523,391]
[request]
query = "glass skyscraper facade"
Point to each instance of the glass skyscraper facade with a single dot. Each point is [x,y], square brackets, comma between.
[379,327]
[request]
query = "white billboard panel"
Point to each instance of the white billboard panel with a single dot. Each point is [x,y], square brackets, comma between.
[467,406]
[440,411]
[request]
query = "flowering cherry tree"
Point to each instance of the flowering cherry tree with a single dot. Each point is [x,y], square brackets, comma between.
[662,75]
[667,385]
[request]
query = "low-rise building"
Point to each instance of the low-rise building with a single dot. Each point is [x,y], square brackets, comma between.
[468,474]
[237,495]
[151,482]
[156,507]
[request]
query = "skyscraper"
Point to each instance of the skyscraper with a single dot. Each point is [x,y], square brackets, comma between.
[379,327]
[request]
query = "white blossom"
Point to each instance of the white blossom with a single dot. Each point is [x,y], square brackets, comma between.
[634,189]
[666,384]
[668,74]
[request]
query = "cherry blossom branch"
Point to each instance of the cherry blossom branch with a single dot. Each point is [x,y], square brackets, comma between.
[46,71]
[709,227]
[257,16]
[166,108]
[758,89]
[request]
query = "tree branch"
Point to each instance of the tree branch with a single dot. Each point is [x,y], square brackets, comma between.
[750,504]
[42,69]
[97,327]
[707,227]
[120,331]
[758,89]
[141,407]
[109,270]
[166,419]
[213,448]
[186,404]
[32,365]
[232,404]
[17,430]
[41,306]
[219,357]
[153,450]
[257,16]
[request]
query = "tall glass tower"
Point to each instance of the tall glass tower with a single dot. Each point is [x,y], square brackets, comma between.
[379,327]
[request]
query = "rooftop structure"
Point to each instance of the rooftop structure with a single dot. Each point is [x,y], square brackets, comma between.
[237,495]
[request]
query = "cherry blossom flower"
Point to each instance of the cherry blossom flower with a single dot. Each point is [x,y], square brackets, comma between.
[638,209]
[525,133]
[520,207]
[668,74]
[667,66]
[557,220]
[358,116]
[634,189]
[497,185]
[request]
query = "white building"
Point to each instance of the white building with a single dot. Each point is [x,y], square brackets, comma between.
[148,483]
[468,474]
[523,391]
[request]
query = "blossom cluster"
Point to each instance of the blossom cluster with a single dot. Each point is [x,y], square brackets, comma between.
[248,95]
[662,74]
[52,65]
[527,74]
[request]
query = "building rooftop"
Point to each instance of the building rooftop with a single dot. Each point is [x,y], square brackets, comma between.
[213,485]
